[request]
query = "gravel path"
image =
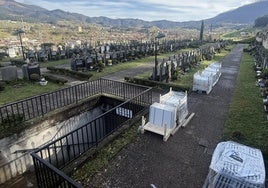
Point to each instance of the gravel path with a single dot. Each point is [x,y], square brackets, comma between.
[183,160]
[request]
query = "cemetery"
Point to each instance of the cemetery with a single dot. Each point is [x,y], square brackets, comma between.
[69,125]
[129,94]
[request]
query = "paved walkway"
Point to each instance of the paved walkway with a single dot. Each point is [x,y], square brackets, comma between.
[183,160]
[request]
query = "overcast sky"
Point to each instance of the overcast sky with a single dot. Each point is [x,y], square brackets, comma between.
[173,10]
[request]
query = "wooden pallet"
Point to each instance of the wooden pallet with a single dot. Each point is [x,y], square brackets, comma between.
[166,132]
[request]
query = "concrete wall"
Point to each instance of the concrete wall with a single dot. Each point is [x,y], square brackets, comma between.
[15,150]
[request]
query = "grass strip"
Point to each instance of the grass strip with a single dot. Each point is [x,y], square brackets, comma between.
[100,160]
[246,122]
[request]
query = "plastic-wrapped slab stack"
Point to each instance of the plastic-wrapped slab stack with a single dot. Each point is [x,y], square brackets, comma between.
[166,117]
[236,165]
[162,114]
[203,82]
[206,79]
[213,73]
[178,100]
[215,67]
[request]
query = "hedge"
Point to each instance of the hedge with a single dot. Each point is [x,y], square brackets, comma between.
[17,62]
[161,85]
[71,73]
[54,79]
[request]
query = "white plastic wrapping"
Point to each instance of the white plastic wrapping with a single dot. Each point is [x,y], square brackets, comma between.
[206,79]
[203,82]
[235,165]
[179,101]
[161,114]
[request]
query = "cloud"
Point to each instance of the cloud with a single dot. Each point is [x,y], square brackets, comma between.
[175,10]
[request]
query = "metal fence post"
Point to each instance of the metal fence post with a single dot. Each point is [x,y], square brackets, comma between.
[124,86]
[41,105]
[101,85]
[76,97]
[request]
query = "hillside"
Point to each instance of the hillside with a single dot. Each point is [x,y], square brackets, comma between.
[244,15]
[261,21]
[12,10]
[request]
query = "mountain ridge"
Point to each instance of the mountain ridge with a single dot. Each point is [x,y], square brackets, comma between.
[12,10]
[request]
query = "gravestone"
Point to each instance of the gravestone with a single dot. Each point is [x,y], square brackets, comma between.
[25,71]
[9,73]
[28,70]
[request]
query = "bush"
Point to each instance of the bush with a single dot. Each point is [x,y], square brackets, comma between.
[71,73]
[100,66]
[55,79]
[161,85]
[14,119]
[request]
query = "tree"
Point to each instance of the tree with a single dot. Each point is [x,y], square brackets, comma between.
[201,31]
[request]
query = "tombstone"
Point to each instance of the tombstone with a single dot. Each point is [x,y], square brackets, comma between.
[168,73]
[29,69]
[34,69]
[9,73]
[25,72]
[102,49]
[107,48]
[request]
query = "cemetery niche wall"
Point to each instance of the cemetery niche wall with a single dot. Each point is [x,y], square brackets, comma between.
[259,51]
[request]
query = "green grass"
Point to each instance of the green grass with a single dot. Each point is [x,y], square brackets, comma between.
[127,65]
[54,63]
[246,122]
[101,159]
[22,89]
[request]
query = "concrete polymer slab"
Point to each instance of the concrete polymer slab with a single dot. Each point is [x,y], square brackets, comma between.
[183,160]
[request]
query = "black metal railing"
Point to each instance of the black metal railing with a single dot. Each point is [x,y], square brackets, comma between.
[62,151]
[14,113]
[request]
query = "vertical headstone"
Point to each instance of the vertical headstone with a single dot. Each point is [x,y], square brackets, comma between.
[25,72]
[9,73]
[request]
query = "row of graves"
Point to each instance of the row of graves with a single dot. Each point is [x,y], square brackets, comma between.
[107,55]
[167,69]
[171,112]
[48,53]
[261,67]
[30,71]
[116,52]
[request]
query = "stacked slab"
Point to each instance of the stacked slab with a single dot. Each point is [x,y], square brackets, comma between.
[236,165]
[167,116]
[204,81]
